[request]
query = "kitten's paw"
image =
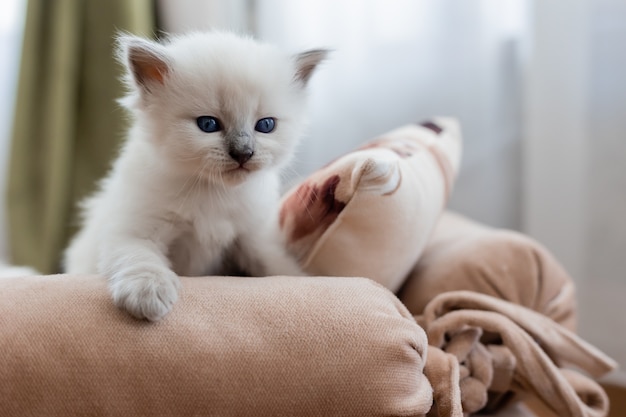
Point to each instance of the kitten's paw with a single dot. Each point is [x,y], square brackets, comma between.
[146,293]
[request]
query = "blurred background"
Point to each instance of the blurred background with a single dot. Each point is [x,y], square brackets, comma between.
[539,88]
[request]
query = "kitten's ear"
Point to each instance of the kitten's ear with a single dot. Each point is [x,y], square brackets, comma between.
[146,61]
[307,61]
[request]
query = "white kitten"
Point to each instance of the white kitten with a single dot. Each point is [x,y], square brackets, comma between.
[215,118]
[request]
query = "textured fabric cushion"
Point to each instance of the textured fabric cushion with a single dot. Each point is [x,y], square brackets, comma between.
[231,347]
[370,212]
[465,255]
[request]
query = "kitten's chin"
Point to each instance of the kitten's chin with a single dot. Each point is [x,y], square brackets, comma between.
[238,175]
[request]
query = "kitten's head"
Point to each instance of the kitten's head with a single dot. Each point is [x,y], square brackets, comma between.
[217,105]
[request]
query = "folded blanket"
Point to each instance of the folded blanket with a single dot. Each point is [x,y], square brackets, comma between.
[498,307]
[504,349]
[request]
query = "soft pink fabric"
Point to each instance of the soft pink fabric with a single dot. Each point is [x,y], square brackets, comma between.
[465,255]
[502,347]
[231,347]
[503,308]
[370,212]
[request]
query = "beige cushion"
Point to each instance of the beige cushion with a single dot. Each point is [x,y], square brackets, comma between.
[371,212]
[465,255]
[230,347]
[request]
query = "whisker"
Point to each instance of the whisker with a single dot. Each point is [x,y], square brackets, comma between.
[191,190]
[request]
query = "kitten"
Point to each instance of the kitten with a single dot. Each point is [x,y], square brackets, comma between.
[215,117]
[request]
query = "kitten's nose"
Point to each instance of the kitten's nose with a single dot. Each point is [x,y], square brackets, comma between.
[241,155]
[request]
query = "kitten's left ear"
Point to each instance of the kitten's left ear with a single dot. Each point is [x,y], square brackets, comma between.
[307,61]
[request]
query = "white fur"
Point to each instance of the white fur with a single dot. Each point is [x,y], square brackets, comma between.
[175,201]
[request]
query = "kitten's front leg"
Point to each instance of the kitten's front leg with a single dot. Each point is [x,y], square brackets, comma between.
[279,262]
[140,278]
[266,255]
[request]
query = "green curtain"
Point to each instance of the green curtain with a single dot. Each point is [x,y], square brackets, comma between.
[67,125]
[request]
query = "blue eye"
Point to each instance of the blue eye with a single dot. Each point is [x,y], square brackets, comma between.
[265,125]
[208,124]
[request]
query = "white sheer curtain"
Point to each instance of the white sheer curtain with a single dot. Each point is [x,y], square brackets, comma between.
[11,27]
[575,155]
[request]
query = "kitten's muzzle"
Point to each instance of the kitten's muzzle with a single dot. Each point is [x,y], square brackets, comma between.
[241,156]
[240,147]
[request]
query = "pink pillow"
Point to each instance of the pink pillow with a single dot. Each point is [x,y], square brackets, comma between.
[370,212]
[275,346]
